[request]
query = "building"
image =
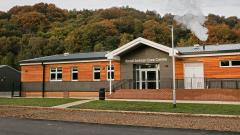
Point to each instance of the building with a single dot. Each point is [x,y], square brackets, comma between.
[139,64]
[9,81]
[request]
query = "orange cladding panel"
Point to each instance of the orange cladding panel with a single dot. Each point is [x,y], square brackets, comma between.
[212,67]
[33,73]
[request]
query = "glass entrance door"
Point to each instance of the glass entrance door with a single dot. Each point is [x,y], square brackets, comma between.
[148,78]
[151,79]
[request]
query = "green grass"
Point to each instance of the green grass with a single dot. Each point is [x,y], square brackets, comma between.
[162,107]
[42,102]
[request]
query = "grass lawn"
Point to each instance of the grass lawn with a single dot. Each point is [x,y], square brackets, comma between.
[43,102]
[162,107]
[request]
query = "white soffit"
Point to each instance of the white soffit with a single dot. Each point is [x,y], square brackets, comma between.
[136,42]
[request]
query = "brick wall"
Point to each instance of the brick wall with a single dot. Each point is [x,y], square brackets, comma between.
[182,94]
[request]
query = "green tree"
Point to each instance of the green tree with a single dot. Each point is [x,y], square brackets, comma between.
[125,38]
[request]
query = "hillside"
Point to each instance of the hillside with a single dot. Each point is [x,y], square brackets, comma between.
[44,29]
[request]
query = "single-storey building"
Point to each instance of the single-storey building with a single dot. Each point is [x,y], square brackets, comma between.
[140,64]
[9,81]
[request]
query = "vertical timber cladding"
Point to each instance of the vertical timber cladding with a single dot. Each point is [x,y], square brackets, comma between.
[32,77]
[145,55]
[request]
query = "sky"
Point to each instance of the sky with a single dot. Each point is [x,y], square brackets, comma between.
[219,7]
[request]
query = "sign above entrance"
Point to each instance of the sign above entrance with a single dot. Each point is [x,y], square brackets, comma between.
[148,60]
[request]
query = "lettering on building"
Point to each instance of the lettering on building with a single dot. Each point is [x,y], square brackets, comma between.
[147,60]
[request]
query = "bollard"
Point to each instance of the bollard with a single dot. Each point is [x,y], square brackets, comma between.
[102,94]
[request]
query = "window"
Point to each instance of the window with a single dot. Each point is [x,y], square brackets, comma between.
[236,63]
[230,63]
[225,63]
[56,74]
[74,74]
[96,73]
[110,72]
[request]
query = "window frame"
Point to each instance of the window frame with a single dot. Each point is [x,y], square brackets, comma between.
[72,72]
[230,63]
[96,71]
[108,70]
[236,65]
[56,74]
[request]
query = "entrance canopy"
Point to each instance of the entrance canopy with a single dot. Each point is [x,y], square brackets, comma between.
[137,42]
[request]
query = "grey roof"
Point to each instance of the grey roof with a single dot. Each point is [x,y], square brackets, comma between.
[1,66]
[69,57]
[209,49]
[101,55]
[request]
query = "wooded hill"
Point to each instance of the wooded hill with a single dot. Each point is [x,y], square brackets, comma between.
[44,29]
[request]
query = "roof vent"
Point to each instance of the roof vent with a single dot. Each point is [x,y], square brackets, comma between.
[196,46]
[66,54]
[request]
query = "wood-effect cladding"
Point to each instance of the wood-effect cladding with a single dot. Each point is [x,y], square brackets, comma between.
[212,67]
[33,73]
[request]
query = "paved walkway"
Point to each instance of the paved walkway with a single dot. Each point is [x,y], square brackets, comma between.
[179,101]
[72,104]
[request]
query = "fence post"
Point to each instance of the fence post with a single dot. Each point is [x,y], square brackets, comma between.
[191,82]
[209,84]
[20,89]
[221,84]
[12,93]
[237,84]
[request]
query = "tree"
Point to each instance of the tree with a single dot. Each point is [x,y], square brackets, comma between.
[125,38]
[157,32]
[125,24]
[54,46]
[9,59]
[37,45]
[231,21]
[45,29]
[188,42]
[98,47]
[220,33]
[31,21]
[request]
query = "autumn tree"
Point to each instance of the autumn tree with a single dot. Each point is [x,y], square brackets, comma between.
[45,29]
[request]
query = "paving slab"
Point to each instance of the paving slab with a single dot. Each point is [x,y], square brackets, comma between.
[72,104]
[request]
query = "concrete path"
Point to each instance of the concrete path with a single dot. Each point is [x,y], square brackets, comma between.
[179,101]
[72,104]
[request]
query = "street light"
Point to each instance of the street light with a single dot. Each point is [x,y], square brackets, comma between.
[174,70]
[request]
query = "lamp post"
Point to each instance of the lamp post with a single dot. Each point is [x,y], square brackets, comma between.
[173,70]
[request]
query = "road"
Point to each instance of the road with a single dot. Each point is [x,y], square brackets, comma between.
[10,126]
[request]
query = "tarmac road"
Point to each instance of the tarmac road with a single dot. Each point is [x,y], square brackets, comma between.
[11,126]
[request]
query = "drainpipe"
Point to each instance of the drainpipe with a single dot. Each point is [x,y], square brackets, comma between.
[110,76]
[43,80]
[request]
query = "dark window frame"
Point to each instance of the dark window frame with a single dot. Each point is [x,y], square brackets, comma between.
[57,73]
[74,72]
[110,71]
[230,63]
[96,70]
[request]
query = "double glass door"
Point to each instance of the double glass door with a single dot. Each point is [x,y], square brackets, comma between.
[148,77]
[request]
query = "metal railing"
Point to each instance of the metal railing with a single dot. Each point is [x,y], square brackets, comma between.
[186,83]
[9,88]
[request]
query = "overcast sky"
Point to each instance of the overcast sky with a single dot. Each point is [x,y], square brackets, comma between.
[219,7]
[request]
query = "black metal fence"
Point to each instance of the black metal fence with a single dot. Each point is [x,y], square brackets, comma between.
[10,88]
[187,83]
